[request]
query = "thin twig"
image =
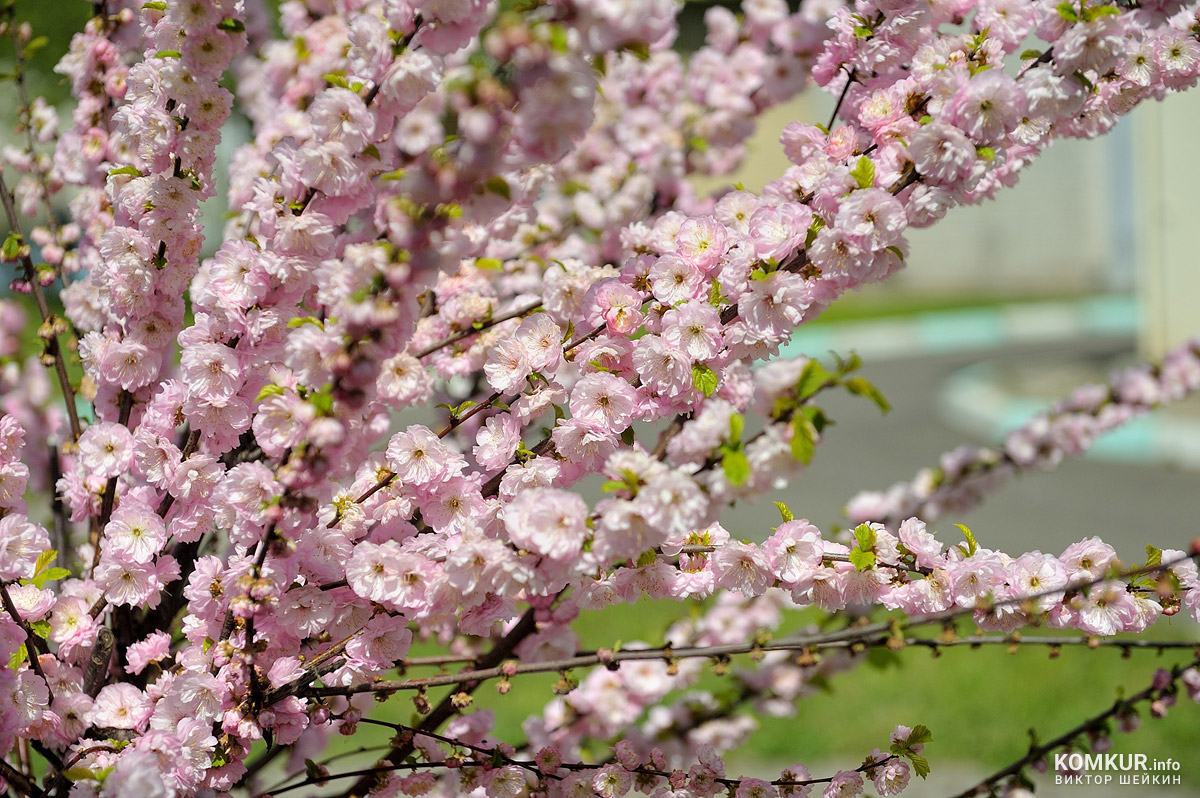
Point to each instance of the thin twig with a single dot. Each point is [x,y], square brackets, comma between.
[33,644]
[53,348]
[461,334]
[1093,723]
[850,79]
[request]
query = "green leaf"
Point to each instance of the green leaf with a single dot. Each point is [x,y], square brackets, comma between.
[736,424]
[804,439]
[785,512]
[1095,12]
[864,172]
[270,389]
[641,50]
[43,560]
[920,765]
[371,151]
[322,401]
[300,321]
[49,575]
[715,297]
[860,386]
[972,544]
[498,185]
[986,153]
[18,657]
[863,32]
[40,628]
[919,736]
[1031,54]
[1153,557]
[156,5]
[866,537]
[125,170]
[647,557]
[628,437]
[861,560]
[846,366]
[168,54]
[558,37]
[12,246]
[705,379]
[1067,11]
[813,378]
[232,25]
[612,486]
[336,79]
[35,45]
[737,467]
[862,556]
[491,264]
[79,773]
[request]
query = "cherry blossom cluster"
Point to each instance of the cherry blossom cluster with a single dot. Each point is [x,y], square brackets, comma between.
[463,278]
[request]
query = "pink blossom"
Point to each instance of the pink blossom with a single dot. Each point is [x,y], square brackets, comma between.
[546,521]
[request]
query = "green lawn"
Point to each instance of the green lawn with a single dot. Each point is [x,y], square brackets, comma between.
[980,703]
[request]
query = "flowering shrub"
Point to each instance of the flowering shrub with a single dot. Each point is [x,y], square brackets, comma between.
[464,272]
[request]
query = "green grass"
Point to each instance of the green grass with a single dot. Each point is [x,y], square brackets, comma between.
[980,703]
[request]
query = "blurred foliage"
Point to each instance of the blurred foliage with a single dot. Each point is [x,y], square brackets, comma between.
[57,20]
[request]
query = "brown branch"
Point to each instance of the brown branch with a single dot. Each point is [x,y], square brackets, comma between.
[837,640]
[34,645]
[458,336]
[1094,723]
[18,780]
[60,772]
[446,708]
[885,631]
[53,349]
[490,756]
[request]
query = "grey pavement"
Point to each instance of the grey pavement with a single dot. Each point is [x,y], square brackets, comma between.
[1128,505]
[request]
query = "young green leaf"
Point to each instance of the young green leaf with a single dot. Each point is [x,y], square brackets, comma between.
[737,423]
[804,439]
[43,560]
[860,386]
[864,172]
[972,545]
[498,185]
[736,466]
[705,379]
[861,560]
[813,377]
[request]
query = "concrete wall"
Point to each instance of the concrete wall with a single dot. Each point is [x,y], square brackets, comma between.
[1167,194]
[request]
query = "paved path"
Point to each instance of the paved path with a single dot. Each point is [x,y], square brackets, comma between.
[1127,505]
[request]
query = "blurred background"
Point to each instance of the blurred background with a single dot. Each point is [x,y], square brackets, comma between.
[1086,265]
